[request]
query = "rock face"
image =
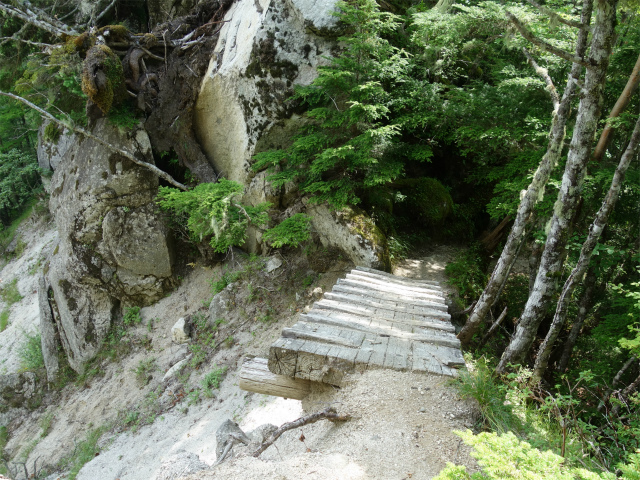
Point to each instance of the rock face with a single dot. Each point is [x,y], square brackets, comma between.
[19,389]
[48,331]
[353,232]
[264,49]
[114,247]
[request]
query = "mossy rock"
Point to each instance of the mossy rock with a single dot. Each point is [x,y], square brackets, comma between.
[52,133]
[103,77]
[425,199]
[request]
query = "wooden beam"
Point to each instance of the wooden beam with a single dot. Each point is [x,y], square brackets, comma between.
[256,377]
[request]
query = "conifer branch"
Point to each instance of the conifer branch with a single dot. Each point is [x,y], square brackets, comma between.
[555,16]
[545,45]
[85,133]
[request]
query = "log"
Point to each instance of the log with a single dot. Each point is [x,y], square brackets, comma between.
[256,377]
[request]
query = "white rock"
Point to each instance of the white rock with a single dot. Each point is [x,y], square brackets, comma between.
[273,264]
[180,332]
[176,368]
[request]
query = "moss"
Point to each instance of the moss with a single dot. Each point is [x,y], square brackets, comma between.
[52,133]
[102,77]
[361,224]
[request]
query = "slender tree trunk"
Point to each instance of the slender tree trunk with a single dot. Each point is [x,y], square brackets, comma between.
[583,308]
[621,104]
[565,207]
[534,264]
[615,382]
[533,193]
[602,217]
[33,15]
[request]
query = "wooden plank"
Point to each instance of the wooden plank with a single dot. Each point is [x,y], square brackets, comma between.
[382,313]
[391,276]
[379,348]
[323,334]
[378,322]
[424,361]
[451,357]
[417,289]
[371,301]
[312,361]
[283,356]
[437,302]
[256,377]
[343,287]
[397,354]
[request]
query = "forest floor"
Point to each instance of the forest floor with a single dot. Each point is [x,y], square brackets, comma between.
[402,423]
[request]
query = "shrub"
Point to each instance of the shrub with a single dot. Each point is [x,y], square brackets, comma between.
[4,319]
[213,209]
[293,231]
[132,316]
[466,274]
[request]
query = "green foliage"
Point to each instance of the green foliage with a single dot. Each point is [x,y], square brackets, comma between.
[84,452]
[132,316]
[4,319]
[481,384]
[30,353]
[504,457]
[124,116]
[346,150]
[466,274]
[293,231]
[52,132]
[212,210]
[19,183]
[211,381]
[10,293]
[46,421]
[143,370]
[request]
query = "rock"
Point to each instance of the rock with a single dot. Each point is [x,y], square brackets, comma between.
[114,246]
[273,264]
[180,331]
[261,434]
[353,232]
[229,431]
[176,368]
[180,464]
[264,49]
[51,152]
[48,333]
[19,389]
[221,303]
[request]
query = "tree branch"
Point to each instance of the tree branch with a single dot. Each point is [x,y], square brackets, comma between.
[544,73]
[87,134]
[617,109]
[39,18]
[328,414]
[29,42]
[544,45]
[557,17]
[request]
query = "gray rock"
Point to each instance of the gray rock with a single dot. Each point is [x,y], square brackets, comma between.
[173,371]
[229,431]
[113,246]
[18,389]
[51,154]
[273,264]
[47,331]
[261,434]
[180,331]
[221,304]
[180,464]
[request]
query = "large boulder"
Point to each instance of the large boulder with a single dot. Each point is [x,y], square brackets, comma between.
[114,246]
[264,49]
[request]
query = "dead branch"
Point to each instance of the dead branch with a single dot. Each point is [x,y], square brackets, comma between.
[621,104]
[87,134]
[555,16]
[15,36]
[39,18]
[105,11]
[495,325]
[544,73]
[544,45]
[327,414]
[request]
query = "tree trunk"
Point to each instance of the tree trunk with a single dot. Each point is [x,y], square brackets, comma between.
[534,263]
[583,308]
[565,207]
[533,193]
[600,221]
[33,15]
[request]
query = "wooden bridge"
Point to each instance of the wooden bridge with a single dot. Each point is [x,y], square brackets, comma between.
[370,319]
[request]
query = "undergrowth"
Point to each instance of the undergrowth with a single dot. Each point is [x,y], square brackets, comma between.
[83,452]
[30,353]
[10,294]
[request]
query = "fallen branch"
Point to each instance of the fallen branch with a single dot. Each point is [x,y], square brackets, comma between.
[495,325]
[87,134]
[327,414]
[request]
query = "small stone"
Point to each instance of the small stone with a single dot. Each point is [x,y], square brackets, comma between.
[422,410]
[272,264]
[180,331]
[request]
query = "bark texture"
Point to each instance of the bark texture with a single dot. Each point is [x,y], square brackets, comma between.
[600,221]
[565,207]
[533,194]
